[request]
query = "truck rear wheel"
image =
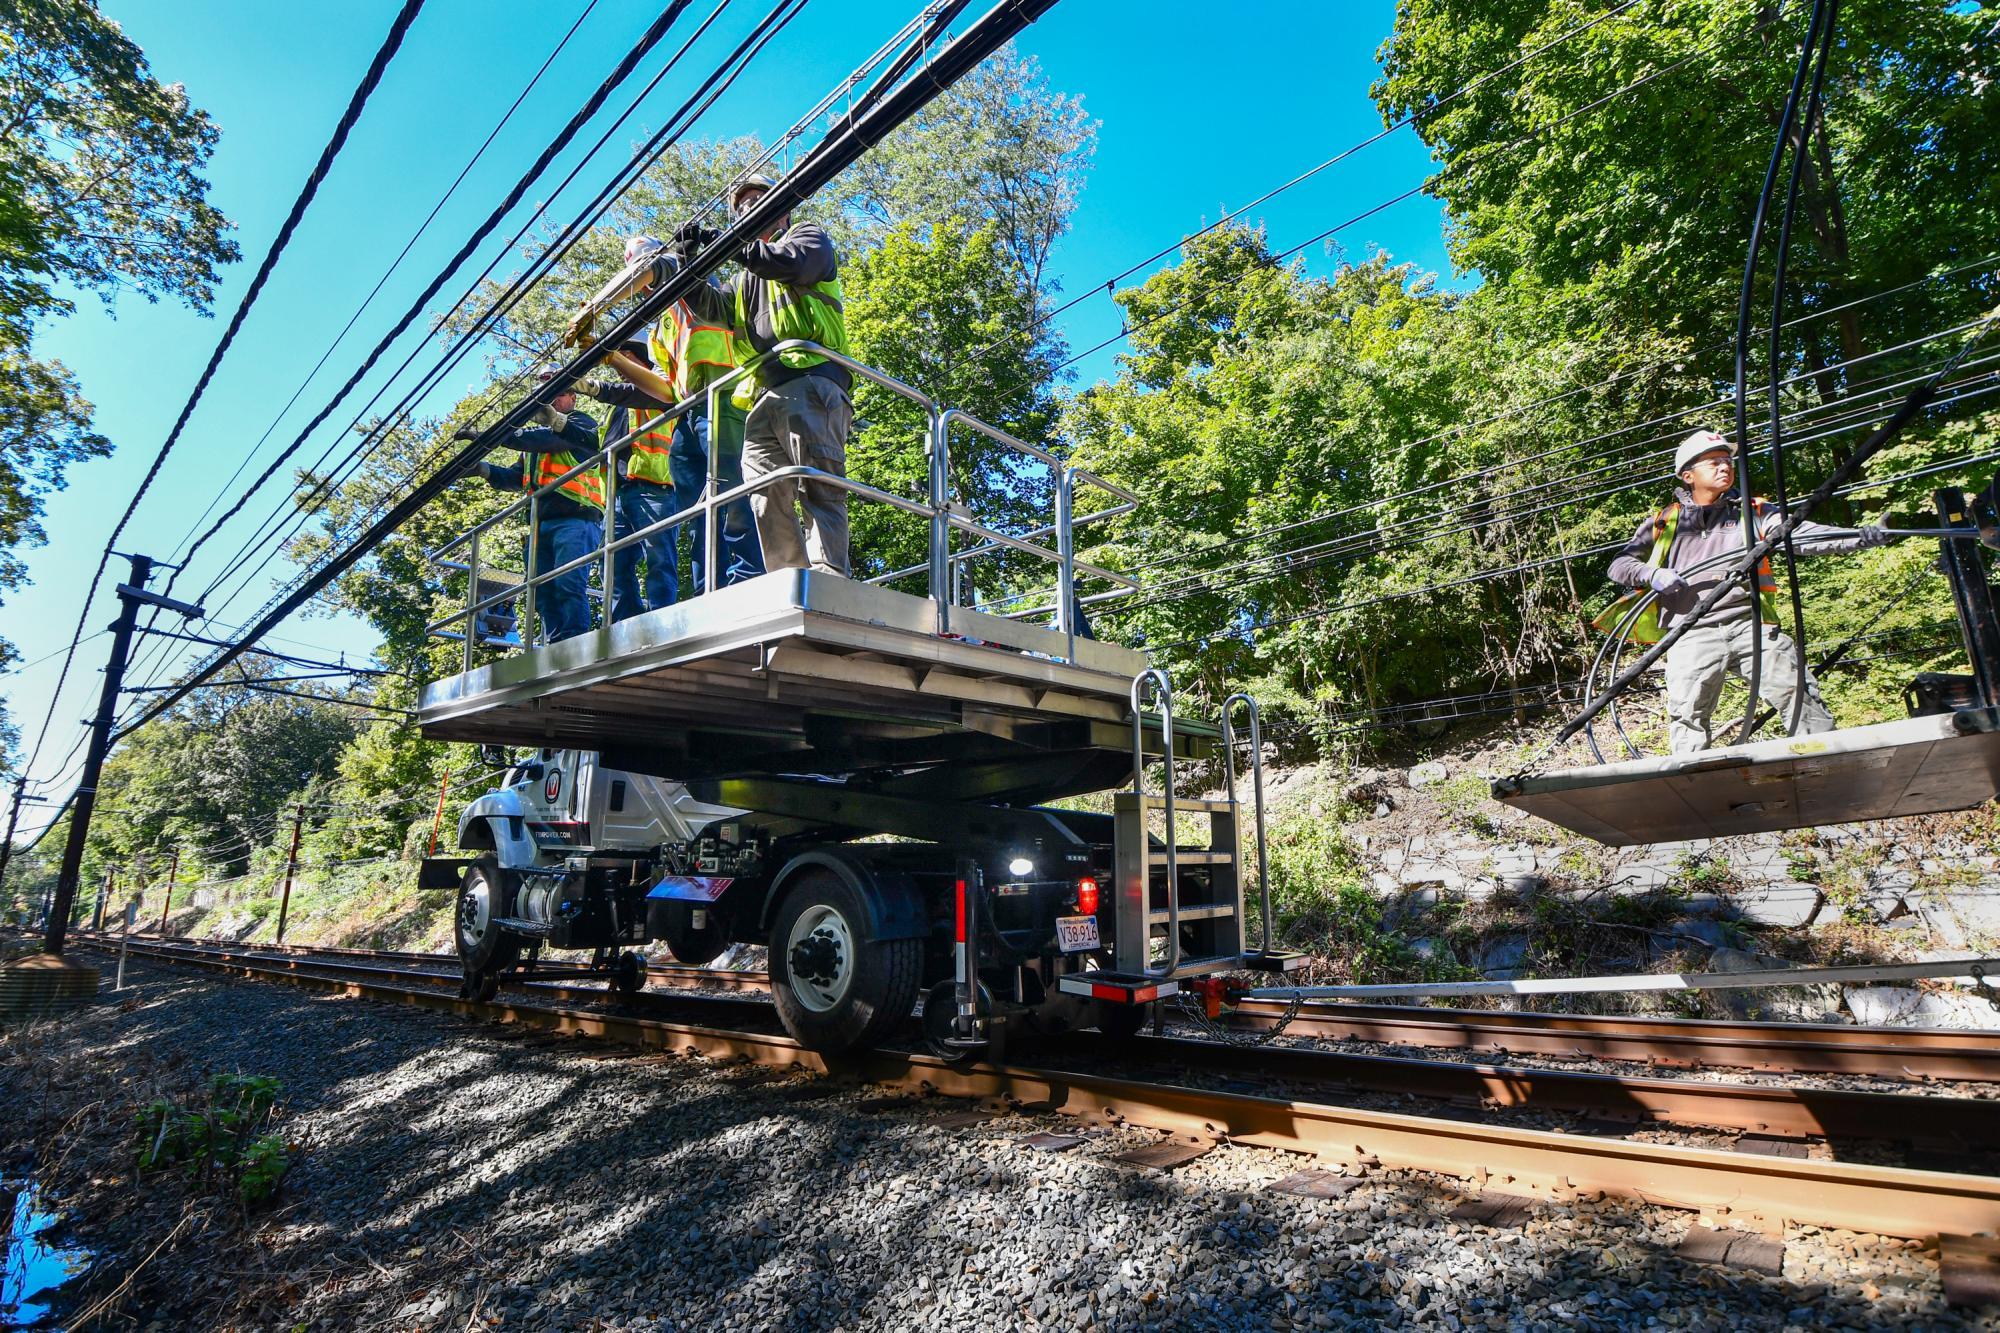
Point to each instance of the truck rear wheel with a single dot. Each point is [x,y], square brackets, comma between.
[836,990]
[485,894]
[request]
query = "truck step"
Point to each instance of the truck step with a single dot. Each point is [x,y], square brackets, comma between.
[516,925]
[1188,803]
[1197,856]
[1277,960]
[1194,912]
[1117,987]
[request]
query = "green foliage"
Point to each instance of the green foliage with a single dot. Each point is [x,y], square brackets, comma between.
[221,1145]
[940,310]
[101,190]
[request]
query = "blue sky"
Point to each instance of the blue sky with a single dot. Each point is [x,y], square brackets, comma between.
[1200,112]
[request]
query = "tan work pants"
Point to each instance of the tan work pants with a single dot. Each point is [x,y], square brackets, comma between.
[1703,658]
[802,422]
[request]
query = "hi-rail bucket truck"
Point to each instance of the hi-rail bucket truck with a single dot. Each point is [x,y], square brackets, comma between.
[855,777]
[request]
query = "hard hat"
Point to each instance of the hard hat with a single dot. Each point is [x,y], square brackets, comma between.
[756,180]
[1695,445]
[641,247]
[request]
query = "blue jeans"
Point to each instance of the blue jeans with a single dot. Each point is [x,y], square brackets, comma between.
[742,558]
[563,603]
[641,504]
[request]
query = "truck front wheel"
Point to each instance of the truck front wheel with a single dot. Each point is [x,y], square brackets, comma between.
[835,989]
[484,896]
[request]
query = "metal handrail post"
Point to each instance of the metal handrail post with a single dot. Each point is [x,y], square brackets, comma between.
[471,597]
[711,517]
[1257,794]
[529,621]
[942,592]
[606,577]
[1065,563]
[1163,698]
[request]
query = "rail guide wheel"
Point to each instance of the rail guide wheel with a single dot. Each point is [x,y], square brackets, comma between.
[941,1030]
[628,974]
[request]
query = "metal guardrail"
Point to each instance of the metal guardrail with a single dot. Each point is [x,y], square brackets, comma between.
[945,517]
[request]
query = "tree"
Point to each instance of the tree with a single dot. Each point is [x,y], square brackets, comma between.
[1555,174]
[944,313]
[101,189]
[108,159]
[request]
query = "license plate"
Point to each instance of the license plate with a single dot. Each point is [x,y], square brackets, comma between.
[1077,934]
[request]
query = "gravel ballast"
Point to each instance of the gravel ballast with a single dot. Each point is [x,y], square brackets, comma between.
[463,1175]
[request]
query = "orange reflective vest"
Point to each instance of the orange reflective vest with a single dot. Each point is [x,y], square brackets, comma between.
[1646,629]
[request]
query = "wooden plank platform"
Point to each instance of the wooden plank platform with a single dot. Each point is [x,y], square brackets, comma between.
[798,671]
[1917,766]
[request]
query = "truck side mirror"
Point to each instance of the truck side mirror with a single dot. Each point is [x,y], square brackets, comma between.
[496,756]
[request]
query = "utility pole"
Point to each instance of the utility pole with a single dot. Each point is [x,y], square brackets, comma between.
[291,864]
[131,596]
[104,892]
[173,873]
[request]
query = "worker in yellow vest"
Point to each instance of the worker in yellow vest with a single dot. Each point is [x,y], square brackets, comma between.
[571,516]
[651,486]
[1706,522]
[801,411]
[690,348]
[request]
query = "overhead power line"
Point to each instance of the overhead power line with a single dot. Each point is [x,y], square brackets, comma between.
[876,113]
[478,153]
[355,104]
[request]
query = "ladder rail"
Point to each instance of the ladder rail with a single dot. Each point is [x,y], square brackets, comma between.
[1163,699]
[1257,796]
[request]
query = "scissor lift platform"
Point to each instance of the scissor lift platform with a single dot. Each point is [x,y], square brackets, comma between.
[795,664]
[1917,766]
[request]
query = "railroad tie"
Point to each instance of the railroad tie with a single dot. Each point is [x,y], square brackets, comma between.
[1970,1269]
[1733,1249]
[1314,1183]
[1496,1210]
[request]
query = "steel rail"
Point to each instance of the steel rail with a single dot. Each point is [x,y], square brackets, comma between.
[1832,1113]
[1893,1201]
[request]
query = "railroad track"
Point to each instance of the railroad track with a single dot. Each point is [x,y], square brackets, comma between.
[1609,1099]
[1921,1054]
[1762,1190]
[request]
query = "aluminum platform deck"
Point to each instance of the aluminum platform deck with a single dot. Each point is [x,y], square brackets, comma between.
[1918,766]
[799,672]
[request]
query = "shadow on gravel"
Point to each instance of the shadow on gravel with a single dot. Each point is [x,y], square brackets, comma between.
[460,1171]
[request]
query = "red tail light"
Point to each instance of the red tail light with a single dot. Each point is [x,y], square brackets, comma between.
[1086,896]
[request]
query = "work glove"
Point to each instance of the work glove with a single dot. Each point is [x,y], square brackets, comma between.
[1666,582]
[692,236]
[484,469]
[551,418]
[468,432]
[1874,534]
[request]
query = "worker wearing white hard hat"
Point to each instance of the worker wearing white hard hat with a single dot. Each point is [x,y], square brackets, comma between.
[1678,555]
